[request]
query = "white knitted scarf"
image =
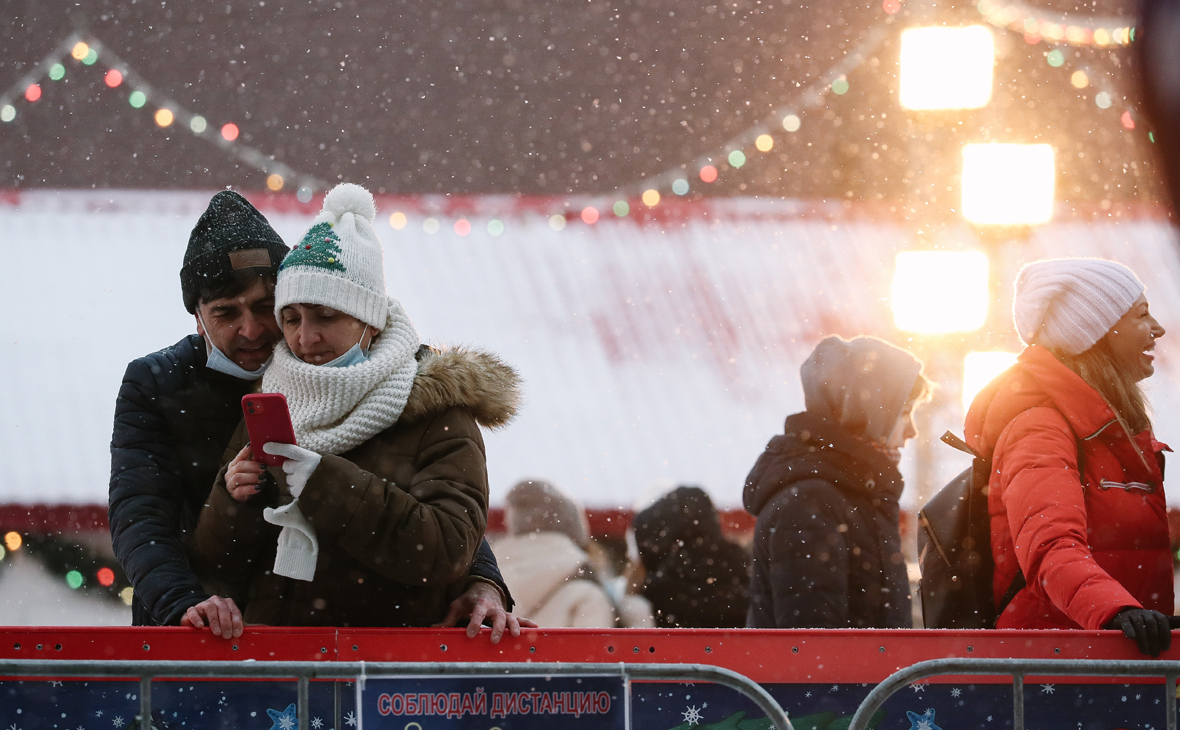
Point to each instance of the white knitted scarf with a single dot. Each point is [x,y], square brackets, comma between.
[337,409]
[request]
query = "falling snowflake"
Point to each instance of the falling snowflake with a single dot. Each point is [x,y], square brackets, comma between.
[1047,689]
[956,692]
[317,723]
[350,720]
[285,720]
[117,722]
[692,716]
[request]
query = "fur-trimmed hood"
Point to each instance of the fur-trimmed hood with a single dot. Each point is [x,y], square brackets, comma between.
[475,380]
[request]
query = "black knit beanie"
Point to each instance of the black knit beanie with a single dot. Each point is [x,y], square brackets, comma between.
[231,236]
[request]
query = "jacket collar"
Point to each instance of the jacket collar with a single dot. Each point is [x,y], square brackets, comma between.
[1087,412]
[813,447]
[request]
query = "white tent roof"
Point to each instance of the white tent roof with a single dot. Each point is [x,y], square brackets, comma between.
[654,351]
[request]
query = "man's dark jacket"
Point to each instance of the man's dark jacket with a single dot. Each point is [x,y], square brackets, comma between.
[827,548]
[173,420]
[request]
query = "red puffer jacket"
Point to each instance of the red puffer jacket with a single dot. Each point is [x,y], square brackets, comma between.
[1085,552]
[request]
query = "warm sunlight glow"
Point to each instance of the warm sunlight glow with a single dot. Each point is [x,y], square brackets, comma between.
[946,68]
[1008,184]
[979,368]
[935,292]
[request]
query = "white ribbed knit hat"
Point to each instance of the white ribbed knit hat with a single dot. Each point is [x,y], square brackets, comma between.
[1069,304]
[338,263]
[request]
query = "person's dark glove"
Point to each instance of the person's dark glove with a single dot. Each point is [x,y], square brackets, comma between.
[1149,629]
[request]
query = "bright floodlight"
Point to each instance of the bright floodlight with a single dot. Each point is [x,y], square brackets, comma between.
[1008,184]
[979,368]
[936,292]
[946,68]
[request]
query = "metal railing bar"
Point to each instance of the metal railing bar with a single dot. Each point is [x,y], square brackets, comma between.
[145,702]
[1170,699]
[301,712]
[1017,701]
[336,713]
[304,671]
[1022,667]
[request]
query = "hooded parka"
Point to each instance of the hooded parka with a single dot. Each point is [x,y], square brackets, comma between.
[398,518]
[827,544]
[1087,548]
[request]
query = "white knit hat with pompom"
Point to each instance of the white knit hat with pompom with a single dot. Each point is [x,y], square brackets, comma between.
[1069,304]
[338,263]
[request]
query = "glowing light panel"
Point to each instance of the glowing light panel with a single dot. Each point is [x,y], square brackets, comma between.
[937,292]
[946,68]
[1008,184]
[979,369]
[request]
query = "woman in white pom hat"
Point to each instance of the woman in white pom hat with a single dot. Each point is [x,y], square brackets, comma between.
[1076,495]
[375,515]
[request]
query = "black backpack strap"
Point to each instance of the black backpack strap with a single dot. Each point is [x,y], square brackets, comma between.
[1018,581]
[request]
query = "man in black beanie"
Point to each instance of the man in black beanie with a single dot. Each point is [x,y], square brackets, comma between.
[178,408]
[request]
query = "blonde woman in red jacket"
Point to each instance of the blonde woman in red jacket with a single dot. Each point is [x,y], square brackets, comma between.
[1076,493]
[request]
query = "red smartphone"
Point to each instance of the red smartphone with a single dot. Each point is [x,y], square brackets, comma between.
[267,420]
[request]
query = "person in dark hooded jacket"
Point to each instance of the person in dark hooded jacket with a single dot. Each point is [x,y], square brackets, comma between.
[827,545]
[695,578]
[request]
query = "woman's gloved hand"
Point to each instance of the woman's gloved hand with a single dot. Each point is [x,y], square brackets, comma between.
[1149,629]
[298,467]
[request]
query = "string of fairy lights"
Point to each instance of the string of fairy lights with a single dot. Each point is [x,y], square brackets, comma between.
[1035,25]
[83,52]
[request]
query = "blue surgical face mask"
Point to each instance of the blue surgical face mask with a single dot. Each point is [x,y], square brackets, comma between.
[354,356]
[218,361]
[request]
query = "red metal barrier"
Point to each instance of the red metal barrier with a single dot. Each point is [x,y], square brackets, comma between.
[836,657]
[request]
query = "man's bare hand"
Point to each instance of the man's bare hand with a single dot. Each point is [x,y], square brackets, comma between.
[222,614]
[481,603]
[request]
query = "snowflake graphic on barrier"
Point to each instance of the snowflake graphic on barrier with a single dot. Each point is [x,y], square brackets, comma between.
[956,692]
[350,720]
[692,716]
[1048,689]
[925,721]
[118,721]
[317,723]
[285,720]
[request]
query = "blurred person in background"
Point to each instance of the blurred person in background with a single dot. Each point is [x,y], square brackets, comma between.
[550,562]
[1076,495]
[827,544]
[693,576]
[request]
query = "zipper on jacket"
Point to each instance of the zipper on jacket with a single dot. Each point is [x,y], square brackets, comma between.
[1127,486]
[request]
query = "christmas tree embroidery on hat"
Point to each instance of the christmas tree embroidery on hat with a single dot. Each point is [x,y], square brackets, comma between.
[320,248]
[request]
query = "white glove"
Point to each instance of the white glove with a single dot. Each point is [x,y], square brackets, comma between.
[298,547]
[298,467]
